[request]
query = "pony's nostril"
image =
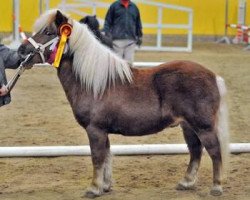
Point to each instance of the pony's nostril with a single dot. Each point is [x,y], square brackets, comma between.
[21,51]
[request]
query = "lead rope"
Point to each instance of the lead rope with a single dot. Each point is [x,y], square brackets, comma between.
[18,73]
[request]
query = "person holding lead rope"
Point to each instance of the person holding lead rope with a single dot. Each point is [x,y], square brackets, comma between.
[8,59]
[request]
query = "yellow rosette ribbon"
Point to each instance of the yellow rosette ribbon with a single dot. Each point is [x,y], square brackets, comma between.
[65,31]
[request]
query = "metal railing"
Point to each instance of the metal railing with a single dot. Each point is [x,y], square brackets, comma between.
[94,4]
[75,5]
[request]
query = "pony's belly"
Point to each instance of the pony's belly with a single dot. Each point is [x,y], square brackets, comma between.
[141,126]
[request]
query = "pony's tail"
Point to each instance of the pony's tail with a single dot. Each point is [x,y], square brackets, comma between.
[222,126]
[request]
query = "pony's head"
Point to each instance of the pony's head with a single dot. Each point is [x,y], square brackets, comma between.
[91,22]
[95,65]
[46,38]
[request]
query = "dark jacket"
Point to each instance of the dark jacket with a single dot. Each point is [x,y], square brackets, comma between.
[123,23]
[8,59]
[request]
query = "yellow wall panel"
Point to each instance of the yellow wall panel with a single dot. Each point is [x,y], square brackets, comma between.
[29,11]
[209,15]
[6,16]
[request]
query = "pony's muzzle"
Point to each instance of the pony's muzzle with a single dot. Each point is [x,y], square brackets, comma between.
[22,52]
[26,55]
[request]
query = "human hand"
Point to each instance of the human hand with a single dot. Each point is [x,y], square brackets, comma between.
[139,41]
[3,90]
[108,34]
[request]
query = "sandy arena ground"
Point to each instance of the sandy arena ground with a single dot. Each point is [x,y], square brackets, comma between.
[40,115]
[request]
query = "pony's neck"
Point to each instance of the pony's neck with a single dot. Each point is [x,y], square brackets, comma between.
[80,100]
[69,81]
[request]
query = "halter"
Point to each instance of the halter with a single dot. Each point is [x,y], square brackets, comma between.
[64,32]
[40,48]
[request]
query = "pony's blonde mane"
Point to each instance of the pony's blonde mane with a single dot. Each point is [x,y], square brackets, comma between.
[96,66]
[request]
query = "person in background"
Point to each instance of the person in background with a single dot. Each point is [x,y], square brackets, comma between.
[8,59]
[123,23]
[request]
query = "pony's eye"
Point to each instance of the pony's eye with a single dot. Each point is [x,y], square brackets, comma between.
[48,33]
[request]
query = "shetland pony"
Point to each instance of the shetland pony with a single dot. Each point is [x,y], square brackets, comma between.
[94,26]
[108,96]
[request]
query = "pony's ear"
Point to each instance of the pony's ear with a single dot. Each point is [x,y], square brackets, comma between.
[94,16]
[60,18]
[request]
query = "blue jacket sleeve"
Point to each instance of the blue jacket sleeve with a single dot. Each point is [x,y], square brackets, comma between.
[10,57]
[109,20]
[138,25]
[2,73]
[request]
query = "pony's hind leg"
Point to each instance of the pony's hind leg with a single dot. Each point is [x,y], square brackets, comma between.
[195,149]
[98,140]
[210,141]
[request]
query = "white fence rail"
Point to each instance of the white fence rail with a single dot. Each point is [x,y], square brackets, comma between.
[147,64]
[140,149]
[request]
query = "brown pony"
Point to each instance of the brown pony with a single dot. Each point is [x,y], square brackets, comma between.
[109,96]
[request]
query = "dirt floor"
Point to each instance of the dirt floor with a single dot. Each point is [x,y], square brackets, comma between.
[40,115]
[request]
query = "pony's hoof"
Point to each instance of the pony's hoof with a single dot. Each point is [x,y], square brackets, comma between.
[107,188]
[185,186]
[92,194]
[216,191]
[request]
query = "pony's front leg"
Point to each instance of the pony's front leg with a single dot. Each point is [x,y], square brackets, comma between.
[107,169]
[98,140]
